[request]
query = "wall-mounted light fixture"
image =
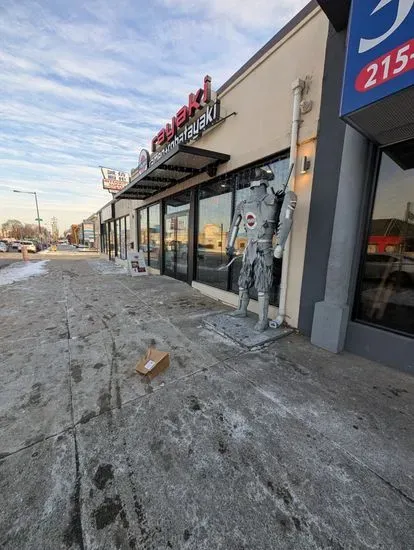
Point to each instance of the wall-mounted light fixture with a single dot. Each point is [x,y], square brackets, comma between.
[306,164]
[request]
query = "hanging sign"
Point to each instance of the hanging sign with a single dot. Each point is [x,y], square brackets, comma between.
[114,180]
[380,52]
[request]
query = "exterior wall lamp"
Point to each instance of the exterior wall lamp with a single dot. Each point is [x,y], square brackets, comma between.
[305,165]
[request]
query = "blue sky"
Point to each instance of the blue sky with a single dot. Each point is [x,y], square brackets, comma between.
[88,83]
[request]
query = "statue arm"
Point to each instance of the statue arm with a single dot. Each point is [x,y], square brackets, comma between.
[234,229]
[285,222]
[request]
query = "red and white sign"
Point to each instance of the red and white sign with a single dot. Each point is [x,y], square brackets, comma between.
[390,65]
[251,220]
[196,102]
[114,180]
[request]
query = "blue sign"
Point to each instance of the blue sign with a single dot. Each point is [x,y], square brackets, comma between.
[380,52]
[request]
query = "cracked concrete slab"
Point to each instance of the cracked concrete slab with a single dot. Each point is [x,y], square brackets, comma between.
[250,477]
[34,398]
[38,506]
[362,406]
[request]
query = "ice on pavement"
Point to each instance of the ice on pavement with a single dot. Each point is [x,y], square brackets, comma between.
[21,270]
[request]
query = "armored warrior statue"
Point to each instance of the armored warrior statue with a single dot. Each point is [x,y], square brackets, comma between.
[263,214]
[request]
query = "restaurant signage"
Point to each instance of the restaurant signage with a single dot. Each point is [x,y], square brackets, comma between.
[114,180]
[380,52]
[189,122]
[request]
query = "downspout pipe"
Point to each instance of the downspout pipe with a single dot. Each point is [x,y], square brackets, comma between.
[298,86]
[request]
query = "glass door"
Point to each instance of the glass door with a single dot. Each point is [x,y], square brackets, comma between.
[176,245]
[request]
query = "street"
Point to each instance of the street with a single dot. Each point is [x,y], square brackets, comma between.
[288,447]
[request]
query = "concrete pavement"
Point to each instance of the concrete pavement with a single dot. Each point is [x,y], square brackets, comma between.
[289,447]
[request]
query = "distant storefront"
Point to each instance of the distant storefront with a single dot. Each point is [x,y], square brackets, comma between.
[116,237]
[201,162]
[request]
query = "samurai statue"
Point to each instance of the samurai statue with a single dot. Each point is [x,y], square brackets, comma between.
[263,214]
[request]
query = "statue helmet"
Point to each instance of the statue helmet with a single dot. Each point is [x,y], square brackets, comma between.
[262,176]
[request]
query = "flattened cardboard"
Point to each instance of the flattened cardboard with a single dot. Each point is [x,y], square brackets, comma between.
[153,363]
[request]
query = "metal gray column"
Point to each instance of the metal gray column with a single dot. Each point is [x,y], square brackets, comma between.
[331,316]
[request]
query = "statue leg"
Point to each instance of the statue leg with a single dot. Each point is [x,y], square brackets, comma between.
[245,282]
[244,299]
[263,278]
[263,322]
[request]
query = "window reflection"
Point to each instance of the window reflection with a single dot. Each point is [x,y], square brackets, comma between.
[386,296]
[214,220]
[154,236]
[143,231]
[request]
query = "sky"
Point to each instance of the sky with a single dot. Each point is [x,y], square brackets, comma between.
[89,82]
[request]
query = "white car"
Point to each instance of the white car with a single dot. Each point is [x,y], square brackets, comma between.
[29,245]
[3,247]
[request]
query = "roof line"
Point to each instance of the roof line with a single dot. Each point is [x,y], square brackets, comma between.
[312,5]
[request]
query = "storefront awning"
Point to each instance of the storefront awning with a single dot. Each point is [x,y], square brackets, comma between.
[180,164]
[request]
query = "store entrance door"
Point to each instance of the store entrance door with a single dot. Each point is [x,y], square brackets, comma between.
[176,245]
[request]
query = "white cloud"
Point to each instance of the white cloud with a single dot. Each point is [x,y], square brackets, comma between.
[88,83]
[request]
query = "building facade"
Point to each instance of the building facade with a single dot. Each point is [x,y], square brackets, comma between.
[118,229]
[202,161]
[358,279]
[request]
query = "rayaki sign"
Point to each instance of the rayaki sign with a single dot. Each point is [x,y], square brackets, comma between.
[380,52]
[190,121]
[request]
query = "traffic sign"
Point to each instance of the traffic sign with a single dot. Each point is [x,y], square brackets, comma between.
[38,219]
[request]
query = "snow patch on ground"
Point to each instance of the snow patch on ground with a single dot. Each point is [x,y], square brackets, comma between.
[108,268]
[21,270]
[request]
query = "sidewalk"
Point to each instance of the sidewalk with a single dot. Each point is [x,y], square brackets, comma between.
[289,447]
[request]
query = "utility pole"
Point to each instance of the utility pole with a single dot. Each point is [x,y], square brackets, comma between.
[38,219]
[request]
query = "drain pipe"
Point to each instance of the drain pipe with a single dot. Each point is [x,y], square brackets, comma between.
[297,89]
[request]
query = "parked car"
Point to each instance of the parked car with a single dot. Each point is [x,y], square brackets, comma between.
[390,268]
[16,246]
[3,247]
[31,247]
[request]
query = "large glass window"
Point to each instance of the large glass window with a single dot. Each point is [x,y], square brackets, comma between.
[118,237]
[143,230]
[214,218]
[111,240]
[176,236]
[127,232]
[122,242]
[386,291]
[154,236]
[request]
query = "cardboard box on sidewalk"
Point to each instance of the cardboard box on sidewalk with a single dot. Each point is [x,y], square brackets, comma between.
[153,363]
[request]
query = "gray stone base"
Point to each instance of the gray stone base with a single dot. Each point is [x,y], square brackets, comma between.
[241,330]
[330,322]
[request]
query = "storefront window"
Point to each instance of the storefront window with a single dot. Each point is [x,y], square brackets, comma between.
[122,241]
[143,230]
[214,218]
[111,240]
[127,232]
[386,291]
[118,237]
[154,236]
